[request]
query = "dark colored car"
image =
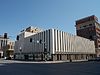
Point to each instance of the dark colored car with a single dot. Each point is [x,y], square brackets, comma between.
[94,59]
[8,58]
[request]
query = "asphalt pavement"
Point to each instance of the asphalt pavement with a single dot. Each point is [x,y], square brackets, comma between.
[62,68]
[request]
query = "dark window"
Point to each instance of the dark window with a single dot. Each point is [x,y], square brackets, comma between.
[57,56]
[98,41]
[60,57]
[99,45]
[90,37]
[90,24]
[26,57]
[17,37]
[0,55]
[30,39]
[84,26]
[40,41]
[1,43]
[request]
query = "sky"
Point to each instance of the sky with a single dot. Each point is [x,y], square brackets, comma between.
[16,15]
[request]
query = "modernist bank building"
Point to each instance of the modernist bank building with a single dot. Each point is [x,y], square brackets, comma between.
[52,44]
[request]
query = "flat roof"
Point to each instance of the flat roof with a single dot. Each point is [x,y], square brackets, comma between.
[86,19]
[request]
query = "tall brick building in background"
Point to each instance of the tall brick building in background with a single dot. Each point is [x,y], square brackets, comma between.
[89,28]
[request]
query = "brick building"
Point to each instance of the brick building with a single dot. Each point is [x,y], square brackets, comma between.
[89,28]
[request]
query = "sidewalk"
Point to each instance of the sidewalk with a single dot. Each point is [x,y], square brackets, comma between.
[13,61]
[17,61]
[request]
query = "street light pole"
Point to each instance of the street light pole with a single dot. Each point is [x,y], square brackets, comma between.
[20,49]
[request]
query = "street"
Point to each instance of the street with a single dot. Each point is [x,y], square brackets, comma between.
[65,68]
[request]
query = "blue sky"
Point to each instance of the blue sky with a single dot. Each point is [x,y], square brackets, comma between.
[16,15]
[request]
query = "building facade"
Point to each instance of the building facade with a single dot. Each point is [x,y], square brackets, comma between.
[53,44]
[89,28]
[6,46]
[8,49]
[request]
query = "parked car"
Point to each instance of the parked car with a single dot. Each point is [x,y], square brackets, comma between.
[94,59]
[8,58]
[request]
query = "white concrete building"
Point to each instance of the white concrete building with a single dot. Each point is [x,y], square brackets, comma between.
[52,44]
